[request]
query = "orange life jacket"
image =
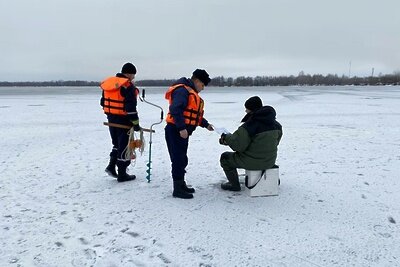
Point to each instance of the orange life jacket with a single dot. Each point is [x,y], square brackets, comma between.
[193,113]
[113,100]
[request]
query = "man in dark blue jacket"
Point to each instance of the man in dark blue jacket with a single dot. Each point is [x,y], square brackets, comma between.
[119,101]
[186,110]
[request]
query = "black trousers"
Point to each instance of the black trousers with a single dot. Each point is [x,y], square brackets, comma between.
[119,139]
[177,148]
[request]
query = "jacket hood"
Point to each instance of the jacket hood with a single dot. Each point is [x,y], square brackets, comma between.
[185,81]
[265,115]
[261,120]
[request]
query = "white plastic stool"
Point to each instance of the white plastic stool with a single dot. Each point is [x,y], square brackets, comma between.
[262,183]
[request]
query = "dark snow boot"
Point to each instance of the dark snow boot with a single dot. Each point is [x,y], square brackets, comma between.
[110,169]
[179,191]
[230,187]
[233,178]
[187,189]
[123,176]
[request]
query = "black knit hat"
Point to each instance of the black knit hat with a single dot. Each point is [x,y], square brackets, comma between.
[202,75]
[128,68]
[254,103]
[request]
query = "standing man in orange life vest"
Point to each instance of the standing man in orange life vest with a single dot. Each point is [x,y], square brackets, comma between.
[119,101]
[186,110]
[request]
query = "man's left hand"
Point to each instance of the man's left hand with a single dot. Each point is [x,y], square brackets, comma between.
[210,127]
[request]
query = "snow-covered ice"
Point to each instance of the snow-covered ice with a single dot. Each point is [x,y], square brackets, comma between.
[338,203]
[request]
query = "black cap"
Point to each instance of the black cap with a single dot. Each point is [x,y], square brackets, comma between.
[128,68]
[254,103]
[202,75]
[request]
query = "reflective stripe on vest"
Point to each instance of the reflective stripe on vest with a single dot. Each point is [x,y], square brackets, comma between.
[193,113]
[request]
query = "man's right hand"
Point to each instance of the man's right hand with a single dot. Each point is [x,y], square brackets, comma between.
[183,133]
[222,140]
[135,124]
[136,127]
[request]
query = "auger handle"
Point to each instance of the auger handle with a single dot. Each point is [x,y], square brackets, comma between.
[123,126]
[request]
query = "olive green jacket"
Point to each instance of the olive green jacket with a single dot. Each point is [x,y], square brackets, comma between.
[256,142]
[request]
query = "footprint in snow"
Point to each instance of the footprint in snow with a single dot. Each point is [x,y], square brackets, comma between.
[83,241]
[195,249]
[133,234]
[140,248]
[163,258]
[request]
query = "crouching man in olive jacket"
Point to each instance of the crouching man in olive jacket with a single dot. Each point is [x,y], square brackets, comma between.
[255,143]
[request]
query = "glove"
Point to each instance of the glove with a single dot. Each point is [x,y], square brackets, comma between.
[222,139]
[136,126]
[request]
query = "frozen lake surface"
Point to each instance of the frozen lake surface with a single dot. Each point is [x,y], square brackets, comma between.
[339,197]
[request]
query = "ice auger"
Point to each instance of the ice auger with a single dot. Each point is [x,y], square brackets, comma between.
[151,133]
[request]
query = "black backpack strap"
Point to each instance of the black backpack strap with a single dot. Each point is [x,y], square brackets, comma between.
[246,180]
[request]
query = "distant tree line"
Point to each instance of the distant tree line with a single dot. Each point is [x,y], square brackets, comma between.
[306,79]
[51,83]
[301,79]
[163,82]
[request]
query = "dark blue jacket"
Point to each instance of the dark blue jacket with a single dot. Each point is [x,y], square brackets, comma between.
[179,102]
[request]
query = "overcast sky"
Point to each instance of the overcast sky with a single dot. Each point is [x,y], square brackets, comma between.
[88,40]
